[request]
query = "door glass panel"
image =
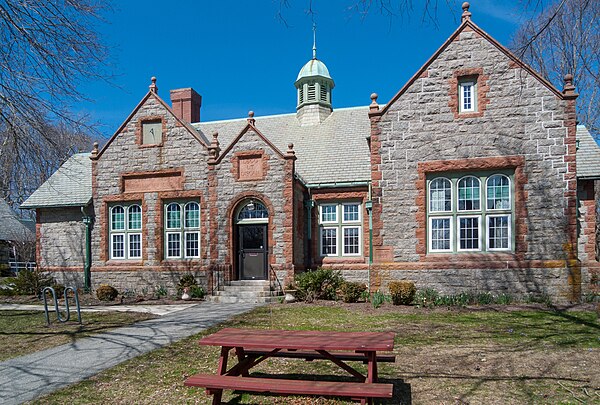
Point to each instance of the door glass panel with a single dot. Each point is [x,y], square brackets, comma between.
[252,237]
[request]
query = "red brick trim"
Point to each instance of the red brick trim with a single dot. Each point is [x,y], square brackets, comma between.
[570,195]
[139,136]
[213,208]
[104,222]
[159,209]
[250,154]
[230,224]
[475,164]
[151,180]
[477,75]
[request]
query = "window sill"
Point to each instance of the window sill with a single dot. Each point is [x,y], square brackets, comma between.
[344,259]
[470,114]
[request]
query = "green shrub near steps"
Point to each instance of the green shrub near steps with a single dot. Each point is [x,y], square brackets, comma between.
[318,284]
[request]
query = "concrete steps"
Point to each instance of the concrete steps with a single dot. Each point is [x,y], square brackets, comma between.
[246,291]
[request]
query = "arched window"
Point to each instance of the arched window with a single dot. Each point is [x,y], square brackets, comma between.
[134,217]
[173,216]
[192,215]
[253,210]
[440,195]
[498,192]
[117,218]
[468,194]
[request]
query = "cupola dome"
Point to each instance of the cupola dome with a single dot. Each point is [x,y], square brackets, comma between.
[314,85]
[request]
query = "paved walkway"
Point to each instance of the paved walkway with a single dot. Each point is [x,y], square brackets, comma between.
[148,309]
[27,377]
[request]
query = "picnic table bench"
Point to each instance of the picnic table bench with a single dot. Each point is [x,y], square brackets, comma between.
[254,346]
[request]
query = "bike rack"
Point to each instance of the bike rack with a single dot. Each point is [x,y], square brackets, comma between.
[58,315]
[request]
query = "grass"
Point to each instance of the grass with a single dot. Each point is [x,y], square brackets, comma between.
[491,357]
[24,332]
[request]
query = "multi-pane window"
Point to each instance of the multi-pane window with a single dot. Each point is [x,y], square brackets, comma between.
[470,212]
[467,95]
[340,229]
[125,231]
[182,230]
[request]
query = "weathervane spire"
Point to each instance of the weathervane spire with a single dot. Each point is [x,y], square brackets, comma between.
[314,40]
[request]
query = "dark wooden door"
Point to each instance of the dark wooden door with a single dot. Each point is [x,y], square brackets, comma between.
[252,260]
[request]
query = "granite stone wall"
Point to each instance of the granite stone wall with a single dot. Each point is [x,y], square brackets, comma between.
[522,125]
[61,238]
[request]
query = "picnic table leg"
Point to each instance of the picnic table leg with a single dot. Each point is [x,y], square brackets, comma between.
[371,372]
[239,351]
[222,369]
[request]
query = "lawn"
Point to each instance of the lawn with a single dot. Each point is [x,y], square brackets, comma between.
[492,356]
[24,332]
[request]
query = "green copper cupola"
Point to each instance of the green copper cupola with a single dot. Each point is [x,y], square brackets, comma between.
[313,85]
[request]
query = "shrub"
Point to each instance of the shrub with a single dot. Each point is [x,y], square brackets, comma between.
[197,291]
[31,282]
[187,280]
[352,291]
[106,293]
[402,292]
[318,284]
[504,299]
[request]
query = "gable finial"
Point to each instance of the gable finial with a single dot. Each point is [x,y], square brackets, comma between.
[569,88]
[314,40]
[250,118]
[374,106]
[95,150]
[153,87]
[466,15]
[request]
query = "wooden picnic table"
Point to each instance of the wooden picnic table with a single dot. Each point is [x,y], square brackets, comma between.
[253,346]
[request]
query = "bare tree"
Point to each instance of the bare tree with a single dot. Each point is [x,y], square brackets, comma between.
[566,39]
[47,49]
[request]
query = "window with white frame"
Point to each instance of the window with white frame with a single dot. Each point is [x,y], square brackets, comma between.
[125,231]
[182,230]
[467,95]
[340,229]
[470,213]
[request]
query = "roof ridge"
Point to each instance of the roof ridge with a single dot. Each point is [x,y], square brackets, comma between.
[195,124]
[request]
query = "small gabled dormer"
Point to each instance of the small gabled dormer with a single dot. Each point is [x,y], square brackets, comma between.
[313,85]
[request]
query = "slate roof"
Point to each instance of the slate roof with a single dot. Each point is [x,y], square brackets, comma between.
[11,227]
[588,155]
[336,151]
[70,185]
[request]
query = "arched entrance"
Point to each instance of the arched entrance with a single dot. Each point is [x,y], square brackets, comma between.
[251,220]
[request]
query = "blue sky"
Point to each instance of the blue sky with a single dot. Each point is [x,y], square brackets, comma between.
[239,56]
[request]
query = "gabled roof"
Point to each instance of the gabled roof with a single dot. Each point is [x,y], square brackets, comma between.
[188,126]
[11,228]
[467,24]
[70,185]
[335,151]
[247,127]
[588,155]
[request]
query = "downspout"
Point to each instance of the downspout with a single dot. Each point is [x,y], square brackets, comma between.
[87,269]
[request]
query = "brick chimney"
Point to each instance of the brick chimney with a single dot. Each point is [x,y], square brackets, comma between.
[186,104]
